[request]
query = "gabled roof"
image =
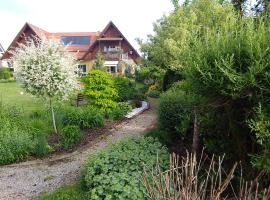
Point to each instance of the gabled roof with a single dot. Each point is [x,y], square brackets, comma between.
[110,24]
[26,25]
[81,51]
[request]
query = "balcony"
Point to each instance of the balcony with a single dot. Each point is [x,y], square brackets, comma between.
[115,56]
[112,56]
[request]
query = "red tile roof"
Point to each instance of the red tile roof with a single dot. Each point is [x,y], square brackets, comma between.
[81,51]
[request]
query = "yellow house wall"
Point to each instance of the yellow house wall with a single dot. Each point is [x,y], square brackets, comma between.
[88,63]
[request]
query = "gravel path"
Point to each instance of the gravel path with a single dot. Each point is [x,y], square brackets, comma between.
[29,179]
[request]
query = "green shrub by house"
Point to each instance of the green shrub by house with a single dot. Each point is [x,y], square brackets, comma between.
[114,173]
[124,88]
[100,90]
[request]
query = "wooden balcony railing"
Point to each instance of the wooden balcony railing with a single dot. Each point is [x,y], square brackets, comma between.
[112,56]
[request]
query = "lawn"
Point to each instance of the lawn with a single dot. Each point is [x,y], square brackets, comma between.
[13,94]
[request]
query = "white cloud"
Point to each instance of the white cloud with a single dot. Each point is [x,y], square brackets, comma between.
[133,18]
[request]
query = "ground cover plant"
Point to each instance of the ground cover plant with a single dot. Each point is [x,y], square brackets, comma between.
[115,171]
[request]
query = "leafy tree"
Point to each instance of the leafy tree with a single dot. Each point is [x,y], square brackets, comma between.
[99,62]
[224,58]
[46,70]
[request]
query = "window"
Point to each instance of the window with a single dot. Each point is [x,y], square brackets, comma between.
[111,69]
[75,40]
[82,70]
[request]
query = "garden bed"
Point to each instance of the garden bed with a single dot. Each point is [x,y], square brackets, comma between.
[89,135]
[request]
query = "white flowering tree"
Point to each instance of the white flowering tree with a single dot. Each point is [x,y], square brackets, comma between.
[45,69]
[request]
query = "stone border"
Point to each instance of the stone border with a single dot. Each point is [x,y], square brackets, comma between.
[137,111]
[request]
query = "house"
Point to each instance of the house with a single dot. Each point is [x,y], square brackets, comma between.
[4,63]
[117,51]
[2,51]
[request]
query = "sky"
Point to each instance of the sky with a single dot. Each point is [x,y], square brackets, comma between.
[134,18]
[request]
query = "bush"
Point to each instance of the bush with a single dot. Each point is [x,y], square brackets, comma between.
[114,173]
[100,90]
[149,75]
[5,73]
[175,112]
[16,138]
[70,135]
[42,148]
[120,111]
[154,94]
[163,137]
[124,87]
[84,117]
[15,142]
[154,87]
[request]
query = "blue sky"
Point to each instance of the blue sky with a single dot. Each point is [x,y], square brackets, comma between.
[133,18]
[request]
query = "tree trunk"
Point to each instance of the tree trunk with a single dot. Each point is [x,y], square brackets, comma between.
[196,134]
[53,117]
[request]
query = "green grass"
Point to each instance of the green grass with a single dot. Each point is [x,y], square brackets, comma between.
[13,94]
[69,192]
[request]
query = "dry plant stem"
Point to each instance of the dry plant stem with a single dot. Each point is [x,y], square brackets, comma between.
[195,144]
[187,179]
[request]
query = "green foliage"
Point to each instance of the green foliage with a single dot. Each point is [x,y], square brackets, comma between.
[174,32]
[15,144]
[70,135]
[42,148]
[169,78]
[175,112]
[16,141]
[224,59]
[100,90]
[149,75]
[84,117]
[114,173]
[5,73]
[120,110]
[69,192]
[165,138]
[99,62]
[124,88]
[261,127]
[154,94]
